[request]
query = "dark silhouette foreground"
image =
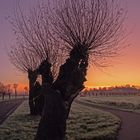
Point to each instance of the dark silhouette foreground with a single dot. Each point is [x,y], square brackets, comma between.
[86,31]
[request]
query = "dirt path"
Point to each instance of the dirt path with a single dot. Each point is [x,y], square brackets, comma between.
[7,107]
[130,127]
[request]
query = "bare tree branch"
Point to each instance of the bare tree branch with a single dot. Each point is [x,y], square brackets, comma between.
[23,59]
[35,42]
[95,24]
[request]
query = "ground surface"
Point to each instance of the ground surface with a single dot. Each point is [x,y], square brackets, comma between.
[130,103]
[84,123]
[130,127]
[7,107]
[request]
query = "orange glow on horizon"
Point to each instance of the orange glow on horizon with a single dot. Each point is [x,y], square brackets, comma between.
[124,70]
[21,87]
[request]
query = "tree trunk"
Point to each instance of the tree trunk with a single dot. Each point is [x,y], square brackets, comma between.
[9,95]
[38,99]
[32,76]
[53,122]
[3,94]
[39,104]
[60,95]
[31,103]
[15,93]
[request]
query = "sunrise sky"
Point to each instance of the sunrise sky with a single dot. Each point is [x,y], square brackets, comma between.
[125,69]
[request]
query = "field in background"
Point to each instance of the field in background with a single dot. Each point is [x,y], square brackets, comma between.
[84,124]
[131,103]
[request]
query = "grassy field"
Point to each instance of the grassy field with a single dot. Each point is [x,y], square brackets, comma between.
[131,103]
[84,124]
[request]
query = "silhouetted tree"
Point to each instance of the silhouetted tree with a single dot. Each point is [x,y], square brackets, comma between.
[15,86]
[39,99]
[26,61]
[2,90]
[90,30]
[8,90]
[35,46]
[26,91]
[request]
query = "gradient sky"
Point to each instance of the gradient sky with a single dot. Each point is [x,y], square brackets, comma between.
[125,69]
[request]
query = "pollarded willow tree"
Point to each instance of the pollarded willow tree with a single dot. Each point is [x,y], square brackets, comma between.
[26,61]
[35,51]
[89,29]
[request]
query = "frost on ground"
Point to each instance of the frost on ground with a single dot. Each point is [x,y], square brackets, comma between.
[20,125]
[84,124]
[131,103]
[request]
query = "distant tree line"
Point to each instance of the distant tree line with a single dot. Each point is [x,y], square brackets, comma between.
[5,90]
[10,90]
[111,91]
